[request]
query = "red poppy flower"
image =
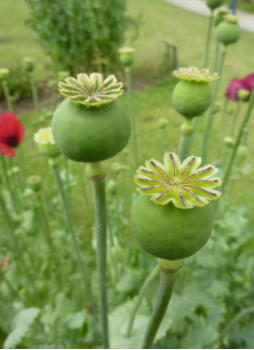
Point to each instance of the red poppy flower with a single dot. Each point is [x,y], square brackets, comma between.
[248,82]
[11,133]
[233,87]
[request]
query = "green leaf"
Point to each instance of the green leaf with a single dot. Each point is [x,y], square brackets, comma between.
[75,321]
[21,324]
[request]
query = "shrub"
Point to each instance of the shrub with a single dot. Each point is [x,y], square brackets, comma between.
[79,35]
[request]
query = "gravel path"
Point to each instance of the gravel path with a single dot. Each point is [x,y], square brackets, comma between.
[246,19]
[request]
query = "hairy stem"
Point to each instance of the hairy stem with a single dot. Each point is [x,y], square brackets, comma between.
[234,120]
[7,96]
[210,112]
[238,141]
[34,94]
[69,223]
[187,129]
[98,186]
[231,323]
[208,37]
[129,90]
[140,297]
[167,280]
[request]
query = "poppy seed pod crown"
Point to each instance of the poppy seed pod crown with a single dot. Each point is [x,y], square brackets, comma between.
[159,224]
[91,124]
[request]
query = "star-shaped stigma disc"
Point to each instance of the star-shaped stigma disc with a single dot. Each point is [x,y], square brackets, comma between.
[182,183]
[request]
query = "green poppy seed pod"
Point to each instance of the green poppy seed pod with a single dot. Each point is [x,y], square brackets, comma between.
[46,143]
[229,141]
[127,56]
[29,64]
[213,4]
[4,73]
[228,31]
[91,125]
[219,17]
[242,152]
[162,123]
[192,95]
[243,94]
[177,220]
[35,183]
[112,188]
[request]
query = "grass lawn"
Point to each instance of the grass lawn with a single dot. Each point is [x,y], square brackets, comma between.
[160,19]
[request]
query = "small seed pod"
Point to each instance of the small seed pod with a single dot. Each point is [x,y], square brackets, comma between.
[35,183]
[219,17]
[162,123]
[230,110]
[243,94]
[46,143]
[91,125]
[112,188]
[229,141]
[127,56]
[216,108]
[192,95]
[242,152]
[4,73]
[228,31]
[159,224]
[213,4]
[29,64]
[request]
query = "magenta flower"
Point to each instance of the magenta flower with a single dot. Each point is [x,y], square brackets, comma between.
[248,82]
[233,87]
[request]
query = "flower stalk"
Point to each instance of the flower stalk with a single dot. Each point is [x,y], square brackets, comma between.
[238,141]
[97,175]
[140,297]
[132,114]
[54,166]
[168,272]
[210,112]
[210,23]
[187,129]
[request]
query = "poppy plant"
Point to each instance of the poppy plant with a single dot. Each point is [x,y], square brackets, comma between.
[11,133]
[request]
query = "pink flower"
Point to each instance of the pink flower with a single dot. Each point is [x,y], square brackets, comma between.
[248,82]
[233,87]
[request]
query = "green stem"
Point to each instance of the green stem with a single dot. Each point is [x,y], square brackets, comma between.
[49,242]
[17,248]
[129,89]
[7,96]
[83,189]
[7,180]
[185,139]
[223,127]
[98,184]
[122,167]
[140,297]
[238,140]
[234,320]
[161,146]
[234,120]
[195,128]
[69,223]
[11,288]
[210,112]
[167,280]
[34,94]
[217,47]
[67,174]
[210,23]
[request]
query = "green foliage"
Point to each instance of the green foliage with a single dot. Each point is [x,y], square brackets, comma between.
[80,35]
[21,324]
